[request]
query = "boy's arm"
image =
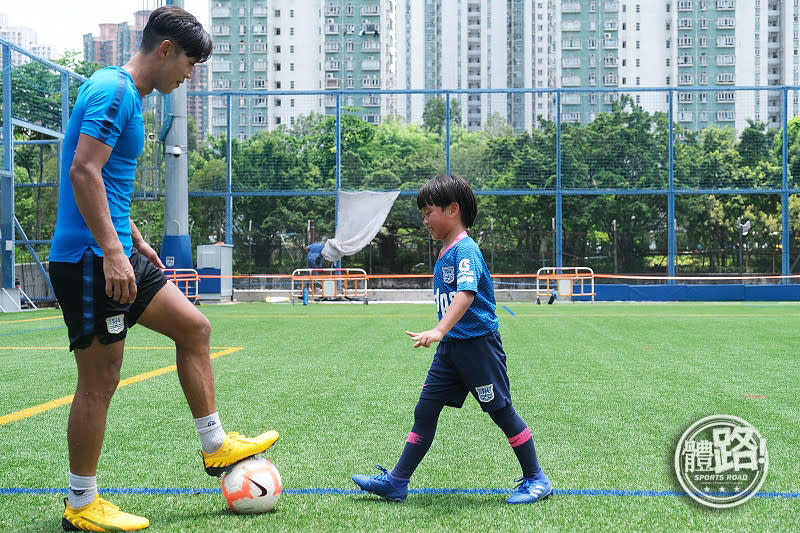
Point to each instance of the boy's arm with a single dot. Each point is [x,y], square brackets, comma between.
[455,311]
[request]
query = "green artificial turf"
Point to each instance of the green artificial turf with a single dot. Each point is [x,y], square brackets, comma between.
[607,389]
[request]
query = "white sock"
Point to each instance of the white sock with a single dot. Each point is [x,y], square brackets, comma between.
[82,490]
[209,428]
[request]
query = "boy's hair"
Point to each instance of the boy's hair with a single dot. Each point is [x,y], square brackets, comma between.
[445,189]
[179,26]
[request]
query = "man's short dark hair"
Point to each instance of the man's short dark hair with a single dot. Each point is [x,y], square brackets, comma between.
[445,189]
[179,26]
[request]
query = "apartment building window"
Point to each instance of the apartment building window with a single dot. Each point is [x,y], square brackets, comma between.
[291,30]
[277,13]
[277,31]
[291,67]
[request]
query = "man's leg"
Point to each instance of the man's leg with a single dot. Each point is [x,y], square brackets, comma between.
[98,377]
[170,313]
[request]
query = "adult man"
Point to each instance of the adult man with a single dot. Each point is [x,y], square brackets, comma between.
[105,276]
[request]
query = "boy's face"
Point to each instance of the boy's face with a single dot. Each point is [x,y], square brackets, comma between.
[441,221]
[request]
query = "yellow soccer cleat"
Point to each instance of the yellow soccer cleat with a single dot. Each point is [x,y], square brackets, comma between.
[235,448]
[100,515]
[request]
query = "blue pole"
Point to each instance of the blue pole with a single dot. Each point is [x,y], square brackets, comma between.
[558,217]
[7,179]
[785,264]
[447,133]
[338,165]
[671,237]
[229,178]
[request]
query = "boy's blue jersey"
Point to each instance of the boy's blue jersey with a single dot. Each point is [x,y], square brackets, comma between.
[109,109]
[462,268]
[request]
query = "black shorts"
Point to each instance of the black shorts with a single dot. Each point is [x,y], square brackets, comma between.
[477,366]
[81,292]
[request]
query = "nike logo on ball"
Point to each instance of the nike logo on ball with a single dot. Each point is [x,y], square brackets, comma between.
[263,490]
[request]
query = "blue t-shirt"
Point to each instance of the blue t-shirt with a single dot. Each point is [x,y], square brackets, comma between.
[462,268]
[109,109]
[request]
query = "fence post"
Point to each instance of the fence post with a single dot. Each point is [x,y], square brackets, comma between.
[338,165]
[785,243]
[671,237]
[7,179]
[229,176]
[557,229]
[447,133]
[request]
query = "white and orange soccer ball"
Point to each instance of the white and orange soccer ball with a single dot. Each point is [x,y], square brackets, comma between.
[252,486]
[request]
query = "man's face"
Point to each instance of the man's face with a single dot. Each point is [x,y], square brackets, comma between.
[176,68]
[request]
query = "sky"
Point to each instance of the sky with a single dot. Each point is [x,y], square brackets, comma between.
[63,23]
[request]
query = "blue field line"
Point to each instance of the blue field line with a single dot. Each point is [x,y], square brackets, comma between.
[512,313]
[334,491]
[30,331]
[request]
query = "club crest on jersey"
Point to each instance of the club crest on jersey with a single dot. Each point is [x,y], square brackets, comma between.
[115,324]
[485,393]
[448,274]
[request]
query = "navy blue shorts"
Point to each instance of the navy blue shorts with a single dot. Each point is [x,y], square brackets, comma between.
[476,365]
[81,293]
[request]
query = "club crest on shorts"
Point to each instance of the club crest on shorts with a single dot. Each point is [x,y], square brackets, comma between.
[485,393]
[448,274]
[115,324]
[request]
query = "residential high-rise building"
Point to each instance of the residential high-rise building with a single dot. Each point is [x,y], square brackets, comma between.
[623,45]
[262,45]
[478,44]
[26,38]
[117,42]
[680,43]
[198,106]
[359,54]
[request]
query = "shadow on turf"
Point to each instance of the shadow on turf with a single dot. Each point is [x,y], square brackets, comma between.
[439,501]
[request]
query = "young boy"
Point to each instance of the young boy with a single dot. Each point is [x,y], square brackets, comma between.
[469,357]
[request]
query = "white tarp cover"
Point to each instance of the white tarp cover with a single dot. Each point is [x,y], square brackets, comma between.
[359,218]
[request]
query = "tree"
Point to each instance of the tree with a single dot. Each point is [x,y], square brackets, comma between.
[434,114]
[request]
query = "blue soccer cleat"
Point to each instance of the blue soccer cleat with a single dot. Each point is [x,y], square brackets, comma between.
[532,490]
[383,486]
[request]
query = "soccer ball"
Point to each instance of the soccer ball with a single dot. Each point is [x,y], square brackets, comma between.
[252,486]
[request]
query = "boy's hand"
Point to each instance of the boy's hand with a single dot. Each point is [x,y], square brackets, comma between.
[425,338]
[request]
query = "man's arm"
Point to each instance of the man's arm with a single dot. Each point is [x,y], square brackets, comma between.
[90,196]
[143,248]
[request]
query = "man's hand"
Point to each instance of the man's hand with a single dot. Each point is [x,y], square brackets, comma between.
[426,338]
[120,279]
[147,251]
